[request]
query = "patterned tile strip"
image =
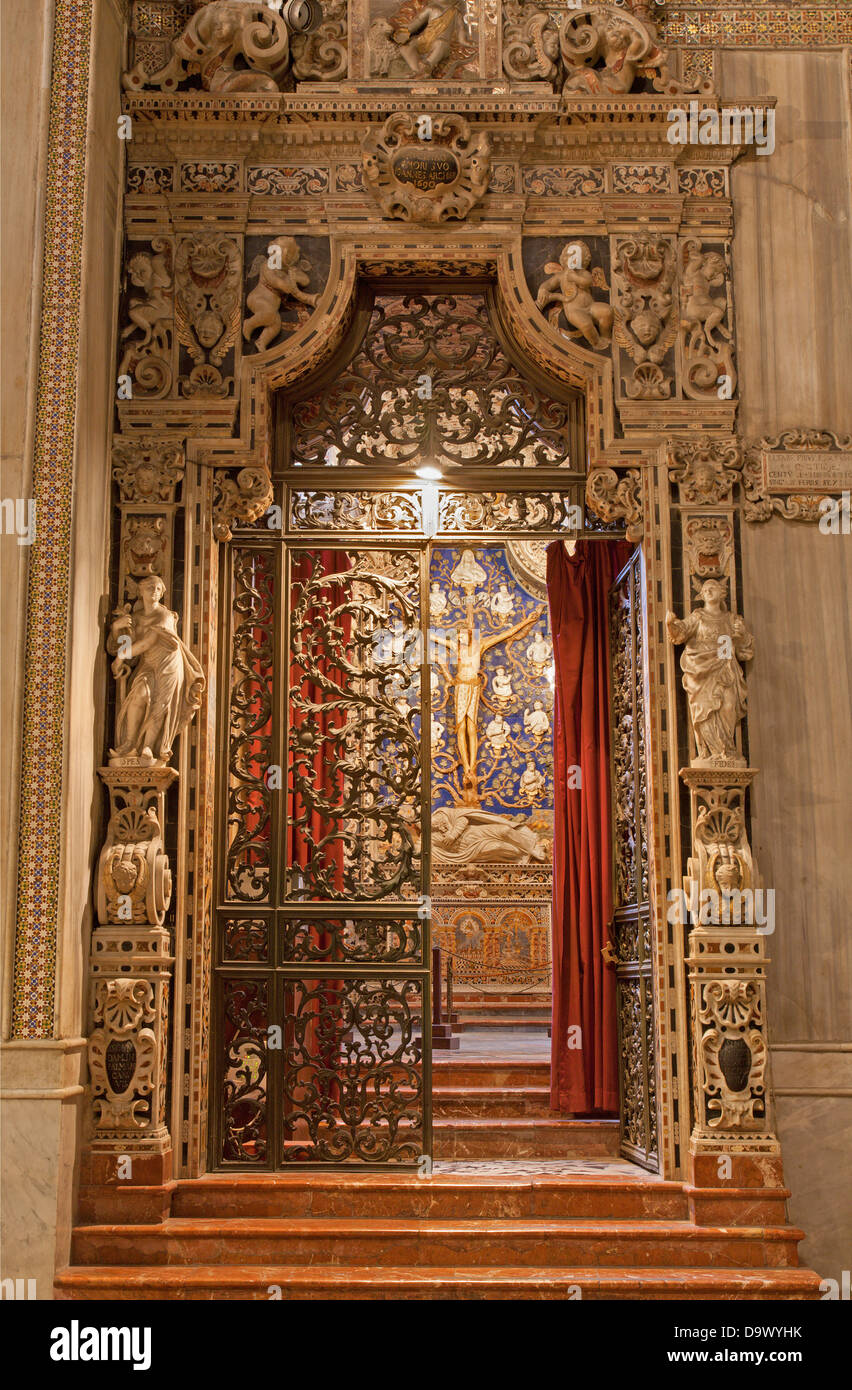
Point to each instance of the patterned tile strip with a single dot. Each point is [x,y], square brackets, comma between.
[48,586]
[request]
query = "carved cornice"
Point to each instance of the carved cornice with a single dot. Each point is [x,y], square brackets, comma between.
[705,470]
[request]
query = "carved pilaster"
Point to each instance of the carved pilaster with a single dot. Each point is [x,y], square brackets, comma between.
[131,964]
[727,960]
[159,684]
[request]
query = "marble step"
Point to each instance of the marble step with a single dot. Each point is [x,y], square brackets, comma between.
[524,1138]
[527,1023]
[524,1243]
[464,1071]
[491,1101]
[442,1195]
[363,1283]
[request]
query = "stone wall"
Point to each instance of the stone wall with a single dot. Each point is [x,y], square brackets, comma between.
[42,1075]
[793,286]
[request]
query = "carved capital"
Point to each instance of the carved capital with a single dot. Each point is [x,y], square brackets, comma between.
[617,497]
[147,473]
[705,470]
[239,498]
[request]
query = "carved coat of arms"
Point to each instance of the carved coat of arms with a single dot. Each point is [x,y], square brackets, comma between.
[434,179]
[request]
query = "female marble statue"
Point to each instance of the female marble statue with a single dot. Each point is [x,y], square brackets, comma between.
[716,641]
[167,683]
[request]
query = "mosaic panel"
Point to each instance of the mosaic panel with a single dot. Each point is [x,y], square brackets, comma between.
[47,591]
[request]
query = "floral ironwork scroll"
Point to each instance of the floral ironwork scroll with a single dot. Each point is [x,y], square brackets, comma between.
[354,736]
[431,382]
[631,906]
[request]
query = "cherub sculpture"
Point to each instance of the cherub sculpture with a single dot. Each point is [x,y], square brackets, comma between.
[701,314]
[280,276]
[568,290]
[151,314]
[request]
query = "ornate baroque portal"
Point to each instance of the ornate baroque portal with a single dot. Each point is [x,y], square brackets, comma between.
[459,240]
[337,636]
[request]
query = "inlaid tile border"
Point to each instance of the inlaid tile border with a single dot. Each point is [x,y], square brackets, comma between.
[39,850]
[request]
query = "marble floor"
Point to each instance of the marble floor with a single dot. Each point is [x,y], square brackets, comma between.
[541,1167]
[501,1045]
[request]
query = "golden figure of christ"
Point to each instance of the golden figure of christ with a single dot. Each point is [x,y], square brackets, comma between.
[467,687]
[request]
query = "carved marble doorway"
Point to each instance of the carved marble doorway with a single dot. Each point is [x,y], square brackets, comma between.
[429,433]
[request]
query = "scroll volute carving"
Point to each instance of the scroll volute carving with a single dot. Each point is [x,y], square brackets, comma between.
[323,54]
[593,50]
[617,497]
[231,45]
[530,43]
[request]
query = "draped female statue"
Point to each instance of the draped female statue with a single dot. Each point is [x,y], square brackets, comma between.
[715,643]
[165,690]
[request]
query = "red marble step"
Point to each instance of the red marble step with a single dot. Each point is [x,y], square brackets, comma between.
[456,1244]
[467,1071]
[508,1007]
[360,1283]
[525,1138]
[526,1023]
[450,1195]
[492,1101]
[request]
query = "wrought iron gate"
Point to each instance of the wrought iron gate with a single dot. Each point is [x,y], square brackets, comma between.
[322,988]
[631,928]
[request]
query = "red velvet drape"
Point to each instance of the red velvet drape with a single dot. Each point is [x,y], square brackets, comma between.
[584,1065]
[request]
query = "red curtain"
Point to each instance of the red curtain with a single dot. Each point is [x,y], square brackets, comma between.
[584,1064]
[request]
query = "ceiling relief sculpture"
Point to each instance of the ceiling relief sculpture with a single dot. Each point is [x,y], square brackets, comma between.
[416,39]
[430,383]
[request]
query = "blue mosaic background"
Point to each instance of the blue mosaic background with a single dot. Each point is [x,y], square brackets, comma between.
[515,759]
